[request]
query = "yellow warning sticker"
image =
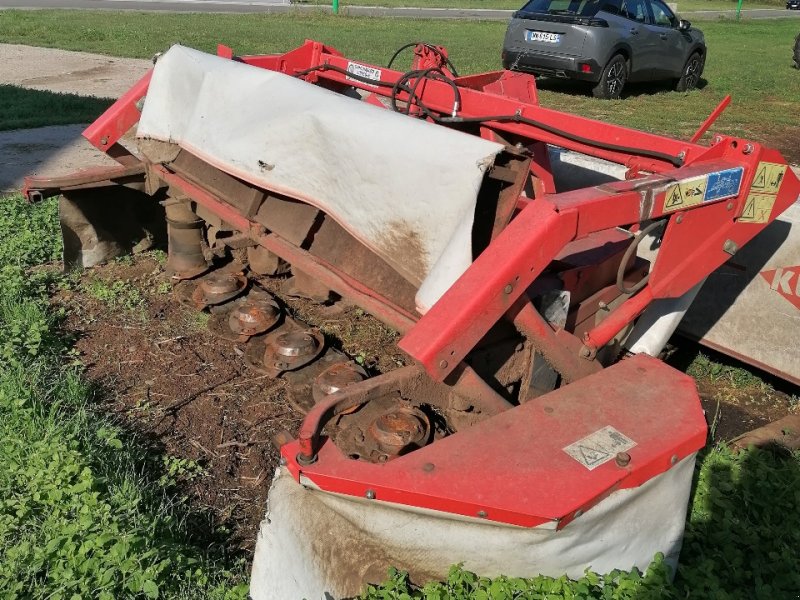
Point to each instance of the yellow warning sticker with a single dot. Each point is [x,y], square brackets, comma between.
[685,194]
[758,208]
[768,178]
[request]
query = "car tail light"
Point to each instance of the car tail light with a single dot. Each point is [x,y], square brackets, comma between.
[586,68]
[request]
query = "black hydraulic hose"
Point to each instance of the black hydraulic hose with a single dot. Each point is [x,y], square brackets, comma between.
[430,47]
[676,161]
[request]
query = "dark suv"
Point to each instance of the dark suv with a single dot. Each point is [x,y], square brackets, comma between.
[605,42]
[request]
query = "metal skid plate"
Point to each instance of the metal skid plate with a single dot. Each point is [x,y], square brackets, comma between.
[753,298]
[546,461]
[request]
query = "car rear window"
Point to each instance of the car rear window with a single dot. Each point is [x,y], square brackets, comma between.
[583,8]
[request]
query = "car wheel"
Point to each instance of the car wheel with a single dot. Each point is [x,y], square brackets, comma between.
[691,73]
[613,79]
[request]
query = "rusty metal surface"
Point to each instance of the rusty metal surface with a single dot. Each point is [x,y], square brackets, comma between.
[255,314]
[312,383]
[95,230]
[383,429]
[38,188]
[287,348]
[218,288]
[783,433]
[329,274]
[186,258]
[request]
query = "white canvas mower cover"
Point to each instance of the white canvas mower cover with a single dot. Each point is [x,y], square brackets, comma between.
[470,219]
[405,189]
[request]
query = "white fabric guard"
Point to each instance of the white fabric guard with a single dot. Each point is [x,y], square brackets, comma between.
[405,188]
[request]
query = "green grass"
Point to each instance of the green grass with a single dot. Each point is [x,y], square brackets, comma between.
[87,510]
[704,367]
[22,108]
[749,60]
[683,5]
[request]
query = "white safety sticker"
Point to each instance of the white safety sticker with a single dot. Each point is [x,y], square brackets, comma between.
[364,72]
[599,447]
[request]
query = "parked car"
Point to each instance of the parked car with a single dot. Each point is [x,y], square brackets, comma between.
[793,5]
[605,42]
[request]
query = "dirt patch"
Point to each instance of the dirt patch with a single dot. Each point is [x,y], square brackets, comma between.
[79,73]
[165,376]
[736,399]
[731,411]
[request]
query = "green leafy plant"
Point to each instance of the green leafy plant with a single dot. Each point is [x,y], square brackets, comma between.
[87,510]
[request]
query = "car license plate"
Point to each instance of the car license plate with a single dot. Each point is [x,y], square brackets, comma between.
[542,36]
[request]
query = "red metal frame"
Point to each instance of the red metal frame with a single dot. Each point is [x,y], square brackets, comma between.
[498,278]
[517,471]
[503,106]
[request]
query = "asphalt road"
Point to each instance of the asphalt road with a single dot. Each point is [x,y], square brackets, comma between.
[275,6]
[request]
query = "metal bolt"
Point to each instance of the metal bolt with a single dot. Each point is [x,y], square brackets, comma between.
[428,467]
[602,305]
[282,462]
[717,139]
[622,459]
[578,513]
[682,154]
[508,288]
[443,364]
[482,514]
[674,459]
[730,247]
[370,495]
[748,148]
[104,140]
[729,206]
[679,219]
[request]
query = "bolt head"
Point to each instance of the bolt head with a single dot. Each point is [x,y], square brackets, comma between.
[482,514]
[282,462]
[370,494]
[729,206]
[508,289]
[674,459]
[679,219]
[443,364]
[622,459]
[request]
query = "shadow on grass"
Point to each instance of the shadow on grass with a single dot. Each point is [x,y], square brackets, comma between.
[631,90]
[743,533]
[23,108]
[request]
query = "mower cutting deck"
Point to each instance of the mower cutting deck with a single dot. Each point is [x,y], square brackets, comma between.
[518,439]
